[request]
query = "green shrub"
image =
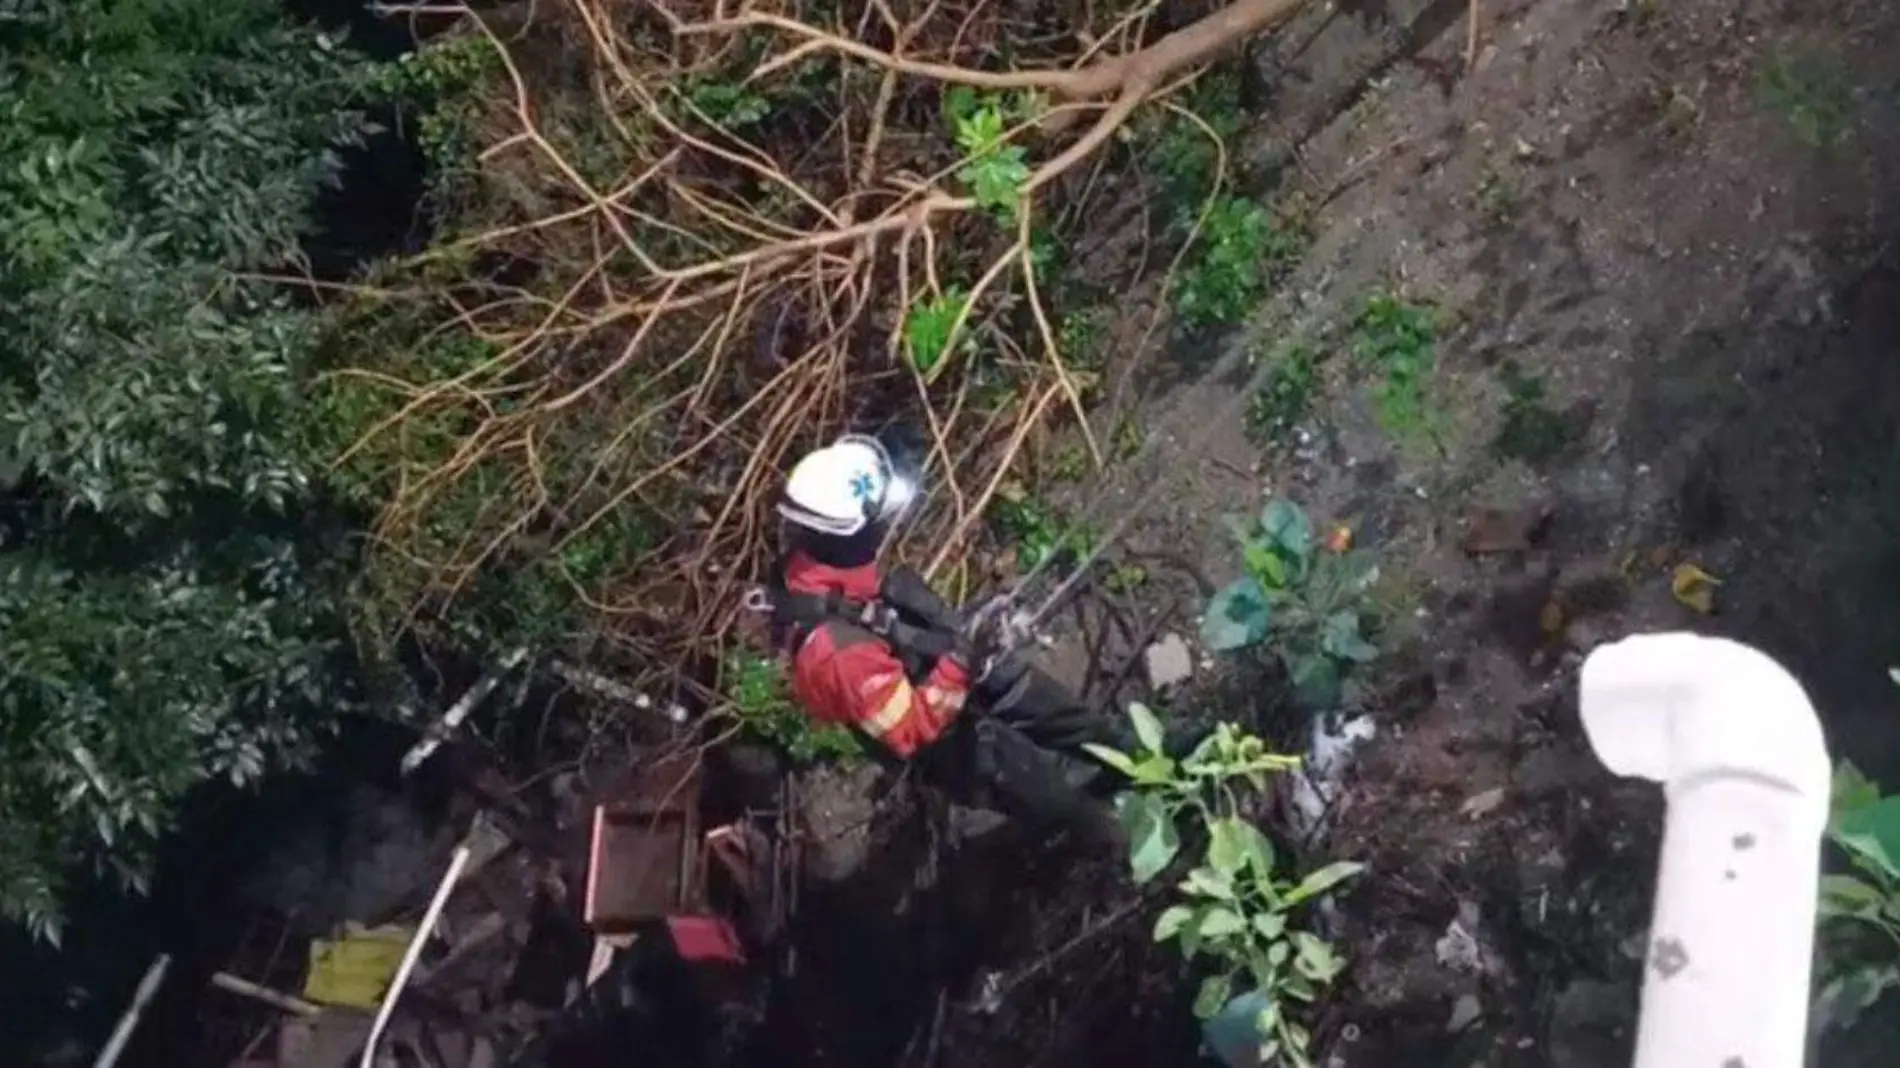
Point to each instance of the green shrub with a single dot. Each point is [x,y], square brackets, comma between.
[761,700]
[1397,341]
[163,617]
[1242,245]
[1860,913]
[1232,912]
[1305,603]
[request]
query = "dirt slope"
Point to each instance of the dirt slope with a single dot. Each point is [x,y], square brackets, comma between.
[1629,205]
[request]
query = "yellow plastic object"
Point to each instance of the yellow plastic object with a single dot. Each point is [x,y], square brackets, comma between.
[356,969]
[1694,588]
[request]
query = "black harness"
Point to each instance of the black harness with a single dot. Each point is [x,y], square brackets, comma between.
[906,615]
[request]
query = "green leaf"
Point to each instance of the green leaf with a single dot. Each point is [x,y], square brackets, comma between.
[1171,921]
[1852,790]
[1147,726]
[1316,682]
[1341,638]
[1238,615]
[1153,841]
[1286,525]
[1844,895]
[1114,758]
[1220,922]
[1214,992]
[1269,924]
[1256,847]
[1209,882]
[1315,958]
[1872,835]
[1323,880]
[1846,996]
[1225,848]
[1153,771]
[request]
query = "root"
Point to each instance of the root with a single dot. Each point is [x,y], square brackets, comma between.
[706,257]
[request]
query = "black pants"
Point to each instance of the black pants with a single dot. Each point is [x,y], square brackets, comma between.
[1019,749]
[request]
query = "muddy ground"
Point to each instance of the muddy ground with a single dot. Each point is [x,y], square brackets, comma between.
[1623,202]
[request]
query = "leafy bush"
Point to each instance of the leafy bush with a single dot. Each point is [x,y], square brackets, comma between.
[1397,341]
[757,689]
[1241,245]
[1860,914]
[159,618]
[1284,398]
[1303,601]
[1233,910]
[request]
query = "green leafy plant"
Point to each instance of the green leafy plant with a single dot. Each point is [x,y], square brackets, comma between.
[762,703]
[927,328]
[1532,431]
[1182,154]
[169,569]
[730,105]
[1233,910]
[1038,531]
[1277,407]
[1242,244]
[1305,603]
[1397,341]
[1860,913]
[993,168]
[1811,93]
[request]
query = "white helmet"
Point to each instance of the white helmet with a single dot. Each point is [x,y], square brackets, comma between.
[845,486]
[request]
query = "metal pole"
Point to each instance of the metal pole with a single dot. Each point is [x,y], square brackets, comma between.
[122,1034]
[410,955]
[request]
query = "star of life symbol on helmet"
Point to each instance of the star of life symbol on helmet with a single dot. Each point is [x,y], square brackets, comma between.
[861,485]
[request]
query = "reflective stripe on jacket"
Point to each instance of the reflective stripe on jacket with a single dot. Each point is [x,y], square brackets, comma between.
[844,674]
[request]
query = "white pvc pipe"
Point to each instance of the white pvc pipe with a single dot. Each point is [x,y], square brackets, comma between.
[129,1022]
[410,955]
[1736,744]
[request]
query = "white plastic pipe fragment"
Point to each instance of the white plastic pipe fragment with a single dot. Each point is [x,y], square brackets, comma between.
[1737,746]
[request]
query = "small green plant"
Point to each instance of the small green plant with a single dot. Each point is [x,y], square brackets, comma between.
[1233,911]
[1183,155]
[1397,341]
[994,169]
[1860,914]
[1303,601]
[1499,197]
[1038,531]
[927,328]
[760,699]
[1532,431]
[1242,245]
[1277,407]
[1811,93]
[728,105]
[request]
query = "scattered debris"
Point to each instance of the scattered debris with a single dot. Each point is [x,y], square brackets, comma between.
[1169,662]
[1458,949]
[1464,1012]
[1483,803]
[1694,588]
[1324,770]
[245,988]
[122,1032]
[354,971]
[1505,530]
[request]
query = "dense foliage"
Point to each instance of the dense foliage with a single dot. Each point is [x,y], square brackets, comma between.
[160,619]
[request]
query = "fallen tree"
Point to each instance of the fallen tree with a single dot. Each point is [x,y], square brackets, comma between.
[685,240]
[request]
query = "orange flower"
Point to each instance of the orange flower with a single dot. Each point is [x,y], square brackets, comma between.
[1339,539]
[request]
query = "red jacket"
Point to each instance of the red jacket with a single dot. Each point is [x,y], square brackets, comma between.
[843,673]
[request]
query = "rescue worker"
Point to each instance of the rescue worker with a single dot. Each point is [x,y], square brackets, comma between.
[885,656]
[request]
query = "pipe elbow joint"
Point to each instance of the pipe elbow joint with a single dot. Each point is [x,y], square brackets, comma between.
[1680,708]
